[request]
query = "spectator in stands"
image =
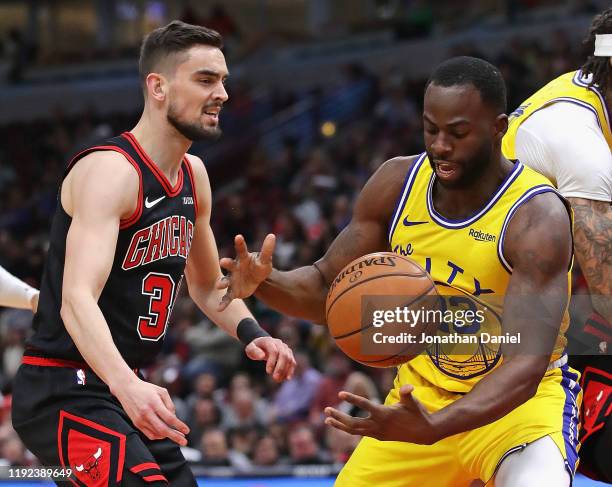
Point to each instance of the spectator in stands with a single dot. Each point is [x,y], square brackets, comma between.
[340,444]
[204,415]
[294,397]
[204,387]
[212,351]
[12,452]
[266,452]
[242,439]
[336,371]
[245,410]
[360,384]
[304,449]
[215,452]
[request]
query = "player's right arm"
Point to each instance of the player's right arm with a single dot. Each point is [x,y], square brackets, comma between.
[565,143]
[301,292]
[98,192]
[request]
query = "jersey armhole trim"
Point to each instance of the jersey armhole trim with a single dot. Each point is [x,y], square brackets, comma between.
[406,188]
[536,190]
[133,218]
[578,81]
[193,184]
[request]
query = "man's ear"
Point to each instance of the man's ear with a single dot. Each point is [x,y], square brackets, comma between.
[501,126]
[157,86]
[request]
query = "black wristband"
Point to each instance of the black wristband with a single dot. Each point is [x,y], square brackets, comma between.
[248,330]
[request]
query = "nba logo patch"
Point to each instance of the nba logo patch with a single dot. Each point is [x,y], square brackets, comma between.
[80,377]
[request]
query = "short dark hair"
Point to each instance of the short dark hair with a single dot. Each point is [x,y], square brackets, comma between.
[598,66]
[173,38]
[466,70]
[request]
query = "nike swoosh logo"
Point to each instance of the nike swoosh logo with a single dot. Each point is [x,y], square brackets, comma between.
[151,204]
[411,224]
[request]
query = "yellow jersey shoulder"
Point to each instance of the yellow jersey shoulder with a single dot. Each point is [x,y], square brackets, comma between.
[572,87]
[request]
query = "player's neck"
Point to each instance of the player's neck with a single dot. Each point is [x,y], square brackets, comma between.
[460,203]
[163,144]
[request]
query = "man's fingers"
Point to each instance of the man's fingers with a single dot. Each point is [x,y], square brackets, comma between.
[166,400]
[168,415]
[154,423]
[172,421]
[149,433]
[241,247]
[176,436]
[290,364]
[166,431]
[272,352]
[280,370]
[228,264]
[341,426]
[161,427]
[406,397]
[254,352]
[289,367]
[267,249]
[359,401]
[222,283]
[350,424]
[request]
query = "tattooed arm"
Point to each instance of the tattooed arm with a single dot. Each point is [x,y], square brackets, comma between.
[301,292]
[593,247]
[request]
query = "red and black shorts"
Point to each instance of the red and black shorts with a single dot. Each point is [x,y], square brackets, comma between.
[596,431]
[66,416]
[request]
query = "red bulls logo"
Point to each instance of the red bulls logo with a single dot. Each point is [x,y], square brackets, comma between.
[90,467]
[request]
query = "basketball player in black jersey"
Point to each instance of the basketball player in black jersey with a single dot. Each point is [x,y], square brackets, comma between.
[132,220]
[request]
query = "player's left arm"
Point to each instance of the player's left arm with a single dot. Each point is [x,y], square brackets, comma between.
[538,246]
[202,272]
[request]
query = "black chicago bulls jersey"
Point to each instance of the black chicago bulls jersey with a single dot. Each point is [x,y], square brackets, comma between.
[152,247]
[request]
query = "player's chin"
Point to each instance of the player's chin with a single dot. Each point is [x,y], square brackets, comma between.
[450,179]
[211,132]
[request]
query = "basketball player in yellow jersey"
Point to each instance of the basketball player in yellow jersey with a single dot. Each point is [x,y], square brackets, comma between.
[482,225]
[563,131]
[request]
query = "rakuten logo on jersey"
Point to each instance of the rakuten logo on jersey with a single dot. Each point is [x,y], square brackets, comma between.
[169,237]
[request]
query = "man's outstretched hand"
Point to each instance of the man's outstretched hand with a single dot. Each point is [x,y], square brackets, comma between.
[246,271]
[406,420]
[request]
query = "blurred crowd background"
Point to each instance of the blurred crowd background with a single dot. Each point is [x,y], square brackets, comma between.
[297,147]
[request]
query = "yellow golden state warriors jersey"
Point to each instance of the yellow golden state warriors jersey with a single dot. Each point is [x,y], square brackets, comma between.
[466,260]
[570,88]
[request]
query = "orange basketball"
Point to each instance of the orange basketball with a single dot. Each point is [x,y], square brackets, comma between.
[377,309]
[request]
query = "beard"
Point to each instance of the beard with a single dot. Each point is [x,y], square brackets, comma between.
[471,169]
[193,131]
